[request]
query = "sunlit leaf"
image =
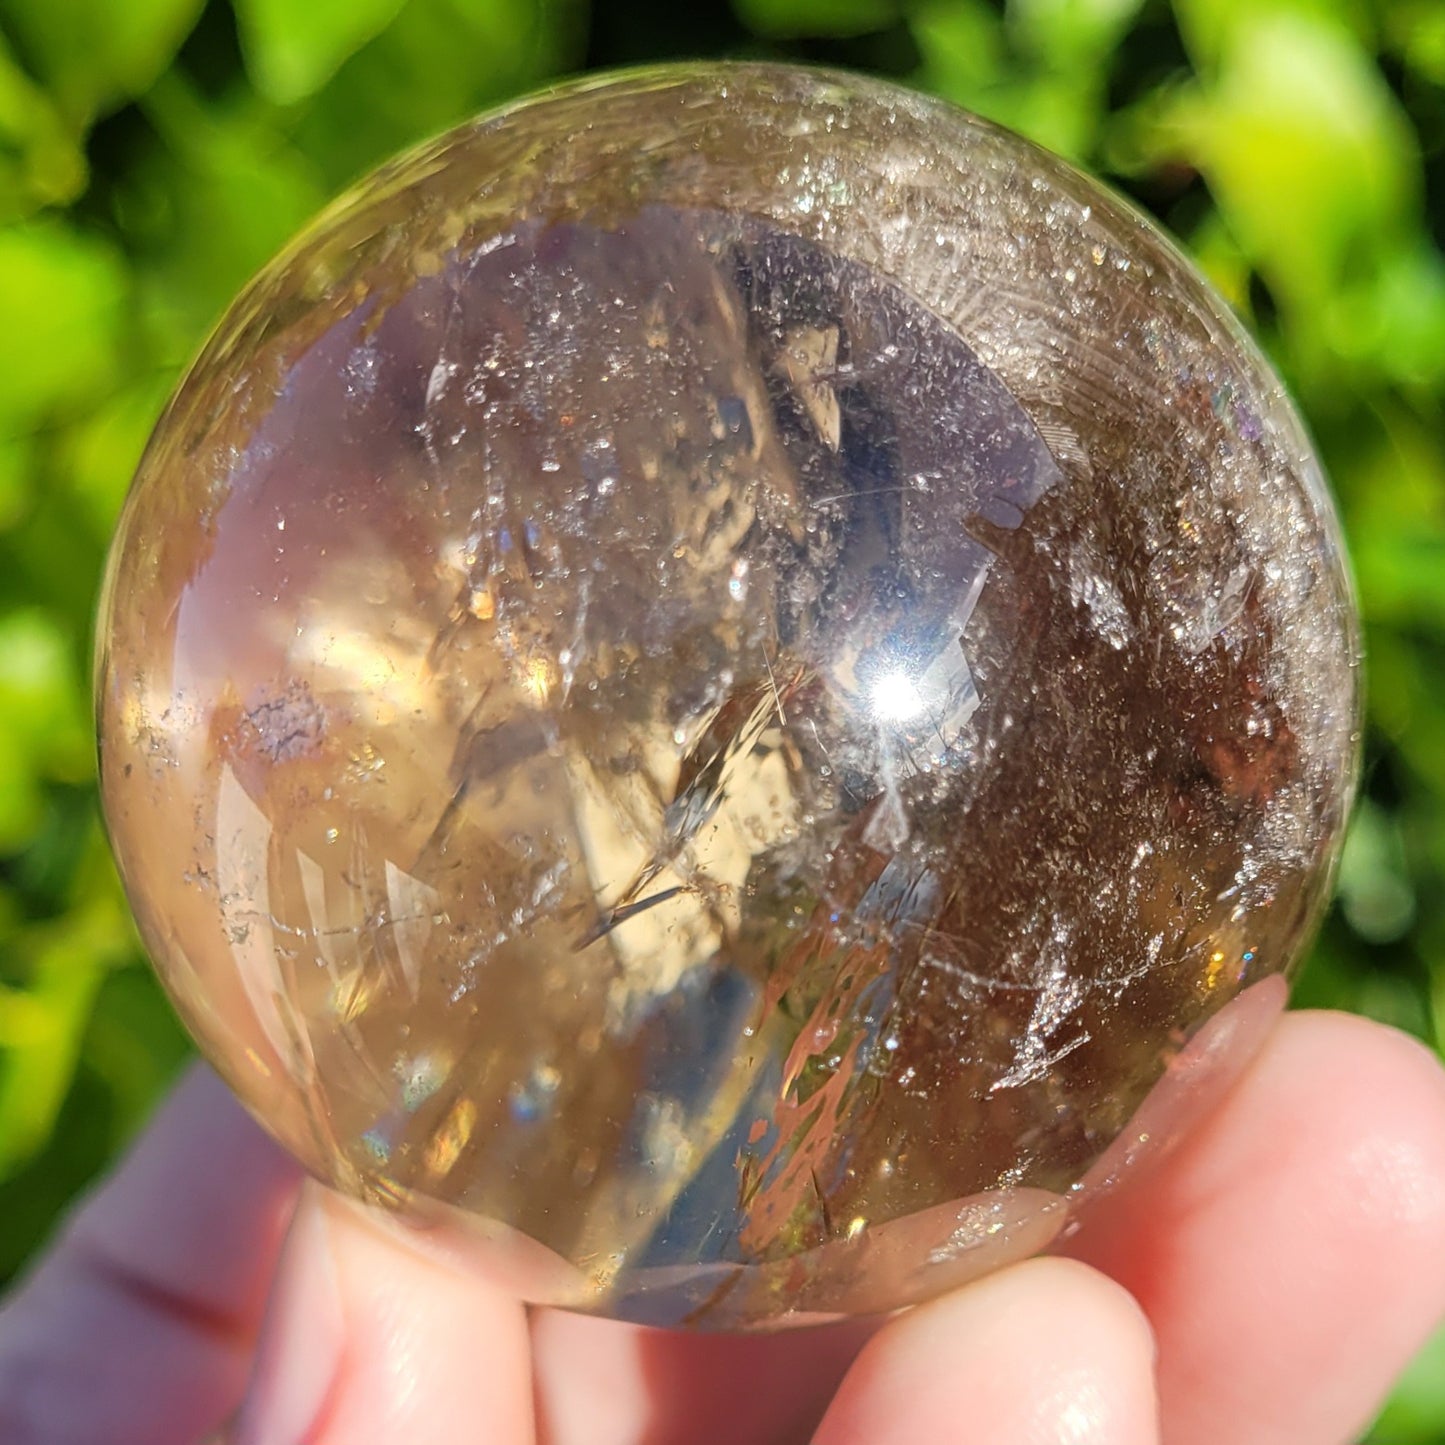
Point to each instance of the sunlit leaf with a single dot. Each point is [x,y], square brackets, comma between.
[100,452]
[1042,73]
[42,1025]
[1218,255]
[1070,33]
[293,49]
[1394,485]
[61,299]
[232,189]
[438,63]
[1304,148]
[962,45]
[40,162]
[1212,28]
[92,53]
[1400,574]
[43,726]
[1392,321]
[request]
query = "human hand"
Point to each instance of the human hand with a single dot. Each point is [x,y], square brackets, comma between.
[1262,1286]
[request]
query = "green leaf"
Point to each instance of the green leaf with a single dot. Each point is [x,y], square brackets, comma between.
[17,456]
[44,727]
[41,1026]
[1400,575]
[962,47]
[100,453]
[788,19]
[1307,152]
[1305,149]
[1391,323]
[1417,32]
[61,305]
[93,53]
[40,162]
[1042,73]
[1068,33]
[1376,897]
[1211,28]
[292,49]
[135,1042]
[1417,1407]
[1393,484]
[438,64]
[1216,252]
[230,189]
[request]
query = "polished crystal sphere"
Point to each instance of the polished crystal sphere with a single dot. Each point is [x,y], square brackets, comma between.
[724,688]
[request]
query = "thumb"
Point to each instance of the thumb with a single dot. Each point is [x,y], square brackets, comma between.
[367,1339]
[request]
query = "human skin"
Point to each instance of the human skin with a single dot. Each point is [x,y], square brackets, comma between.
[1262,1285]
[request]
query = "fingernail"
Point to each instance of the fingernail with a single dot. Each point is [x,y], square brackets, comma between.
[300,1349]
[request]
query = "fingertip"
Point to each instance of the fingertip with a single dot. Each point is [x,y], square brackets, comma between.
[1291,1254]
[605,1382]
[1044,1352]
[1385,1098]
[1334,1147]
[299,1359]
[369,1340]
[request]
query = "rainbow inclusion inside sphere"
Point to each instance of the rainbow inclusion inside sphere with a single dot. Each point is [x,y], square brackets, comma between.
[726,686]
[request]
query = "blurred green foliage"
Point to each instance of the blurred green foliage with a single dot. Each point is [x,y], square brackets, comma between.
[154,153]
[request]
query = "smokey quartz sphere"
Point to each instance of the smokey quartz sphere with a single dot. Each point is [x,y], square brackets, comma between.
[724,688]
